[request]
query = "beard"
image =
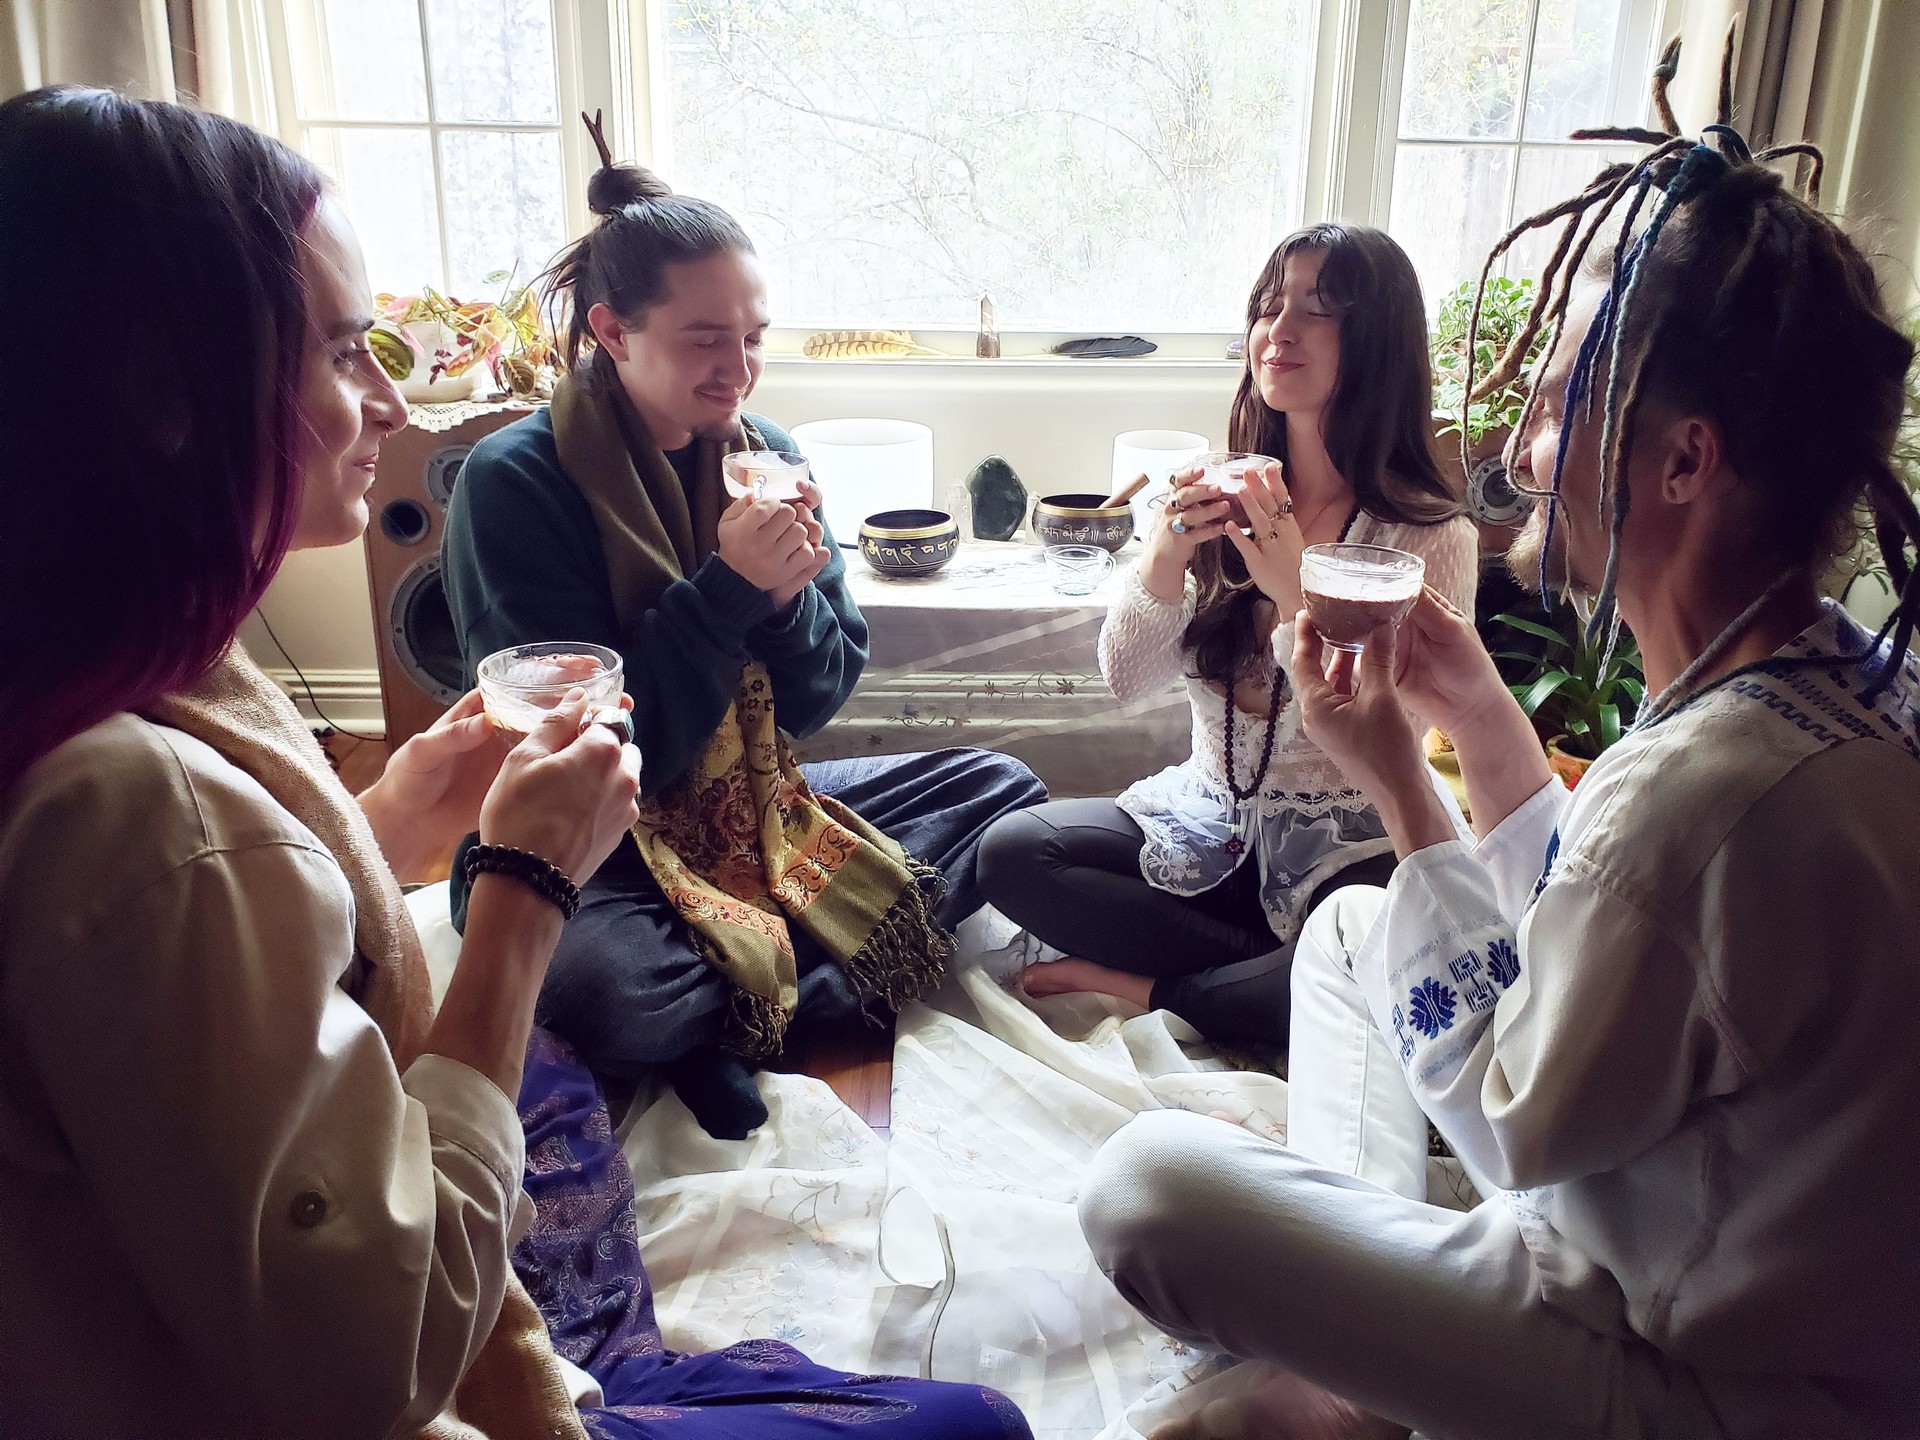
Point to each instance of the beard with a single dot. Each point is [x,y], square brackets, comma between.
[718,429]
[1523,555]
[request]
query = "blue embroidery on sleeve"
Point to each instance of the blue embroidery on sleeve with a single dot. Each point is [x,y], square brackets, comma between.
[1400,1032]
[1502,964]
[1431,1007]
[1546,866]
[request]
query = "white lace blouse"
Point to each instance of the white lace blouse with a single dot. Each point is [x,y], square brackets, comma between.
[1307,821]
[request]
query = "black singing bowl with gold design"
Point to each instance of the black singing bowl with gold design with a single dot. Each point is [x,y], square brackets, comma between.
[909,543]
[1081,520]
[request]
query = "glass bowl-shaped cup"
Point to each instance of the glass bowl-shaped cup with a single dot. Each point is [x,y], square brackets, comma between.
[1352,590]
[520,685]
[1227,471]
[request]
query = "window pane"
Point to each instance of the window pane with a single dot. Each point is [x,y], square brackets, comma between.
[1548,176]
[385,178]
[372,69]
[504,206]
[493,60]
[1093,163]
[1449,204]
[1573,67]
[1462,76]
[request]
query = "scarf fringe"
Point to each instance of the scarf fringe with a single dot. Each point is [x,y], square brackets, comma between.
[907,953]
[756,1026]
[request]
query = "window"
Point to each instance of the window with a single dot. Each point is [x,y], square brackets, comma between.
[1118,164]
[1095,165]
[1490,89]
[439,120]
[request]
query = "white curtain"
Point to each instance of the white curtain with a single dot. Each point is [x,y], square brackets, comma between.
[127,44]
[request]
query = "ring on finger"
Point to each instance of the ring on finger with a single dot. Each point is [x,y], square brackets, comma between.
[1179,526]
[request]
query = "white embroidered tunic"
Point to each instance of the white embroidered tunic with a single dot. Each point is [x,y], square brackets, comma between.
[1307,822]
[1689,1051]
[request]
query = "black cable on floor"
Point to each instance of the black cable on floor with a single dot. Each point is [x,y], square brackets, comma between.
[325,719]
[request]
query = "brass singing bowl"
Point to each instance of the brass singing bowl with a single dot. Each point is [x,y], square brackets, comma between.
[1080,519]
[909,543]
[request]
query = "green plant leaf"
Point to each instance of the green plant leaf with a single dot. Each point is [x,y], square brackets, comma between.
[1543,689]
[1609,726]
[1533,627]
[1635,690]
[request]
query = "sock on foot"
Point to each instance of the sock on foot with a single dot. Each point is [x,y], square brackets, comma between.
[718,1088]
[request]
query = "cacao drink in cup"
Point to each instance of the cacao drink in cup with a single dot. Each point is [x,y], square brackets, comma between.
[1228,471]
[1352,590]
[520,685]
[763,474]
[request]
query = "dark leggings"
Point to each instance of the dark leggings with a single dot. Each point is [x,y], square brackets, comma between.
[1069,872]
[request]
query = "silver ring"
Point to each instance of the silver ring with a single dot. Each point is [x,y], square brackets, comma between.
[1179,527]
[1286,507]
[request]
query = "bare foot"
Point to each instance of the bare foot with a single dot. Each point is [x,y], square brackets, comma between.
[1284,1408]
[1072,977]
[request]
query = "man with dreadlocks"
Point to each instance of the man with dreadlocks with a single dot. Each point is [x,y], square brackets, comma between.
[1666,1023]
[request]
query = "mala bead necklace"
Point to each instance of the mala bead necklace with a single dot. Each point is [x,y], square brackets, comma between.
[1275,699]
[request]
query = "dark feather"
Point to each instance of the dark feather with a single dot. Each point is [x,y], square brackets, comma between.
[1102,347]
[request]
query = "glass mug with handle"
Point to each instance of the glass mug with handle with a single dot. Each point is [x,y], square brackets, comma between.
[763,474]
[520,684]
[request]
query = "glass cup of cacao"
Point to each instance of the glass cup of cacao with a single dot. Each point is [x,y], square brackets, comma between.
[1228,472]
[1352,590]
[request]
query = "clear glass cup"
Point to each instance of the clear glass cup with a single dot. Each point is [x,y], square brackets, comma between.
[763,474]
[1228,472]
[1352,590]
[1077,569]
[520,685]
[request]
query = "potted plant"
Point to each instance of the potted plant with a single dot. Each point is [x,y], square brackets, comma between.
[438,348]
[1490,419]
[1579,698]
[1871,603]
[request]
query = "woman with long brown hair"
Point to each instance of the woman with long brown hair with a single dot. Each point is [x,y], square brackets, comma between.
[1186,893]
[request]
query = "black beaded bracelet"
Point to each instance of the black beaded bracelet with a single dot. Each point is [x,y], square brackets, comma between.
[542,875]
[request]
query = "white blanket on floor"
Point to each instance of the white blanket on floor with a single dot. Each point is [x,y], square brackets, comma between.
[953,1251]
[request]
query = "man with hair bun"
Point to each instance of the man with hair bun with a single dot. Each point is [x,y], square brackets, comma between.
[755,894]
[1666,1022]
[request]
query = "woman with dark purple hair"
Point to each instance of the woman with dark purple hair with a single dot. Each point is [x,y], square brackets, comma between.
[250,1182]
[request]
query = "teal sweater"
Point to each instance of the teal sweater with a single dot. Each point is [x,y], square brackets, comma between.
[522,562]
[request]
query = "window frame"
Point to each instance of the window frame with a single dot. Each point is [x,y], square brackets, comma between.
[1643,20]
[296,46]
[610,57]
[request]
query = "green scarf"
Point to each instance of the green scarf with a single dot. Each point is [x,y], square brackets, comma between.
[740,844]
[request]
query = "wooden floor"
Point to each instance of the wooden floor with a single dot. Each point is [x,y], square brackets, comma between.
[856,1062]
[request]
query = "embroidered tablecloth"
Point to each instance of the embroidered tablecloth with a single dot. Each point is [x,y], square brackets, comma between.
[987,653]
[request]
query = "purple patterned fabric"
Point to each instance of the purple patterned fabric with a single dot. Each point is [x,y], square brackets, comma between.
[581,1264]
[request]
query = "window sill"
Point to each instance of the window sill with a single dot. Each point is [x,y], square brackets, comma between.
[1006,365]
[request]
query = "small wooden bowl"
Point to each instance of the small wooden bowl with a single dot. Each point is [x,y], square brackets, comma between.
[1081,520]
[909,543]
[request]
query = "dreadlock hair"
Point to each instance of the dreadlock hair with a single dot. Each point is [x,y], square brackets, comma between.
[1740,301]
[1378,424]
[622,261]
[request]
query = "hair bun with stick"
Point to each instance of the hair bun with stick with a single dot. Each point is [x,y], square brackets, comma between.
[614,186]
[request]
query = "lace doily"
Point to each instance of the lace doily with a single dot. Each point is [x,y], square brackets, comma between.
[433,418]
